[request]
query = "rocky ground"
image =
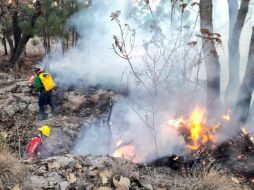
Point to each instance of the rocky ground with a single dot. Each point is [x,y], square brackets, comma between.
[79,107]
[107,173]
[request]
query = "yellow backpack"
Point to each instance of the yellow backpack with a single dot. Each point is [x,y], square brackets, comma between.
[47,81]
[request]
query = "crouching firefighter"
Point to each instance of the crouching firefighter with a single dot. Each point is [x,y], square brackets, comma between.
[44,84]
[37,146]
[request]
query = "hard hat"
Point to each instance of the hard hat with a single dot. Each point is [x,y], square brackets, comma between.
[36,68]
[45,130]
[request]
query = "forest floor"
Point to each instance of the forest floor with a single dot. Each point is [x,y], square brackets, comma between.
[79,107]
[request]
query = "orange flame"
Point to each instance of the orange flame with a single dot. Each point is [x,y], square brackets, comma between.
[127,152]
[226,117]
[194,129]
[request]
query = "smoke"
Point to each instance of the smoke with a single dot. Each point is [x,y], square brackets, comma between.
[139,119]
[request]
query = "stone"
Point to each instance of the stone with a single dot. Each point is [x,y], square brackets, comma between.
[104,176]
[69,132]
[3,135]
[75,101]
[78,165]
[123,183]
[93,173]
[64,185]
[17,187]
[53,165]
[22,106]
[33,107]
[71,178]
[122,188]
[45,182]
[105,188]
[10,110]
[62,160]
[41,170]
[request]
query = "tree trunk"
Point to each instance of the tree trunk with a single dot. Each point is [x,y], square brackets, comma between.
[25,37]
[48,41]
[242,107]
[5,45]
[73,38]
[232,13]
[22,44]
[45,41]
[8,37]
[211,58]
[16,29]
[234,53]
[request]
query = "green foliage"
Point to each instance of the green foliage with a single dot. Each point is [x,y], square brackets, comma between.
[35,41]
[55,16]
[53,19]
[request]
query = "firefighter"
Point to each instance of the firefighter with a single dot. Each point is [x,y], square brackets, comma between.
[45,96]
[36,146]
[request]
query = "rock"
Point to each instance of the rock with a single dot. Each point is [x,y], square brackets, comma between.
[33,107]
[44,182]
[93,173]
[26,89]
[104,176]
[69,132]
[147,186]
[64,185]
[10,110]
[53,165]
[71,178]
[116,182]
[123,183]
[41,170]
[235,180]
[3,135]
[78,165]
[105,188]
[75,101]
[17,187]
[62,160]
[22,106]
[122,188]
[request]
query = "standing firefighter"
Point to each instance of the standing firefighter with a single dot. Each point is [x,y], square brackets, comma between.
[36,146]
[44,84]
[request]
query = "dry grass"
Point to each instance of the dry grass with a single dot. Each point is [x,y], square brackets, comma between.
[206,179]
[11,171]
[123,168]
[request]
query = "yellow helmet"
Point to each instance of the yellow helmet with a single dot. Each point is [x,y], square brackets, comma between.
[45,130]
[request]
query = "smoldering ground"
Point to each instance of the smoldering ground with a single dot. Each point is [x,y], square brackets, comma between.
[95,62]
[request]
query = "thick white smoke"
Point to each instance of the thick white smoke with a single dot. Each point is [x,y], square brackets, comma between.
[94,62]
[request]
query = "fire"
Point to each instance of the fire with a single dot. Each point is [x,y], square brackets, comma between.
[195,130]
[196,123]
[127,152]
[226,117]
